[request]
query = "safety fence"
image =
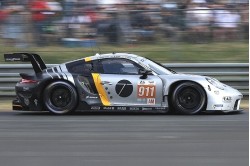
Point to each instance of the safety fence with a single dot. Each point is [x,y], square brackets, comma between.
[84,24]
[233,74]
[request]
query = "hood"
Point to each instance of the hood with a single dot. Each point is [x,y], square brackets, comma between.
[180,76]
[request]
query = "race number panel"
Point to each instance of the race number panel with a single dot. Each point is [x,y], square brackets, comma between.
[146,89]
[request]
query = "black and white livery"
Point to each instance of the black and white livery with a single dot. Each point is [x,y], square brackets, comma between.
[118,82]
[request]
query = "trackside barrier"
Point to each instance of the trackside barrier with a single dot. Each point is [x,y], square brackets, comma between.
[233,74]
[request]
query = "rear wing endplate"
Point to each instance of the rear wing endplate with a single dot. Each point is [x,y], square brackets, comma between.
[35,59]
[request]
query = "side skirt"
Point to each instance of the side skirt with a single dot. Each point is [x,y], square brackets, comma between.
[125,109]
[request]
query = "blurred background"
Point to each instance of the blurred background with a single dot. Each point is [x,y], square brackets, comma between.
[164,30]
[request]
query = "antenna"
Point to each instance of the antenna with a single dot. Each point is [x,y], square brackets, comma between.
[99,48]
[97,45]
[90,42]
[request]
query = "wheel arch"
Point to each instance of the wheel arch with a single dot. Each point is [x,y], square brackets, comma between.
[175,84]
[50,81]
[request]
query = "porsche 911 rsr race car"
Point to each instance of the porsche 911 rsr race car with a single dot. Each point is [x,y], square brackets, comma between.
[118,82]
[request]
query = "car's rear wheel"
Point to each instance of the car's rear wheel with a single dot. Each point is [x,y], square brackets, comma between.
[60,97]
[188,98]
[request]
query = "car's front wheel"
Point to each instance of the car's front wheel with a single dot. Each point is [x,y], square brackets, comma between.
[60,97]
[188,98]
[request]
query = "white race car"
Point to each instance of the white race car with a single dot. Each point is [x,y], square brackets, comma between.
[121,82]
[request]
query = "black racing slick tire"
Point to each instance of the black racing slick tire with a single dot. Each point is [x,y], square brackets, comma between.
[60,97]
[188,98]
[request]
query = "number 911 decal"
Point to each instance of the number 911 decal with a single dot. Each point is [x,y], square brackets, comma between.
[147,90]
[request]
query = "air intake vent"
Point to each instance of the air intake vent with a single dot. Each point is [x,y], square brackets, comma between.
[236,104]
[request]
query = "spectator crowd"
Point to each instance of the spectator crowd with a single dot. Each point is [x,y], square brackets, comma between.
[25,23]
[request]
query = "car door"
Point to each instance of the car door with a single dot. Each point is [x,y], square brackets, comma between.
[119,84]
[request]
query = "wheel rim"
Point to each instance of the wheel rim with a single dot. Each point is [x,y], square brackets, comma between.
[60,97]
[189,98]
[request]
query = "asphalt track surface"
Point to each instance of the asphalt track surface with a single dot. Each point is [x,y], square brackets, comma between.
[42,139]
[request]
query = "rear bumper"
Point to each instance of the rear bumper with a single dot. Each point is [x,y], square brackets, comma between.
[16,105]
[28,97]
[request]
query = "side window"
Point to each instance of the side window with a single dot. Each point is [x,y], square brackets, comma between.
[80,67]
[119,66]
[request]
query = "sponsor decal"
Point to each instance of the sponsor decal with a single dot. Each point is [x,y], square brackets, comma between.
[91,97]
[109,108]
[26,101]
[217,92]
[13,59]
[134,108]
[151,82]
[119,56]
[218,105]
[146,82]
[124,88]
[26,88]
[122,108]
[36,102]
[147,109]
[95,108]
[227,99]
[160,108]
[141,82]
[151,101]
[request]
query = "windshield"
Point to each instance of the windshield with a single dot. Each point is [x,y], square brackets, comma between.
[157,67]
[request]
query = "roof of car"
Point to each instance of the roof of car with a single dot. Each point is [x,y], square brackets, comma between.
[108,55]
[111,55]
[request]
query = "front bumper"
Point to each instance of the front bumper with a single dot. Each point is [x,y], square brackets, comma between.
[227,100]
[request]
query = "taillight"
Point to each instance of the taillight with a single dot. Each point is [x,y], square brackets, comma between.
[26,81]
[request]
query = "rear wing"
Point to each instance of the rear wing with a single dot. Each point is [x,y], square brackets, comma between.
[35,59]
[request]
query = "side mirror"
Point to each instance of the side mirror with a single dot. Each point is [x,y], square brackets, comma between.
[144,73]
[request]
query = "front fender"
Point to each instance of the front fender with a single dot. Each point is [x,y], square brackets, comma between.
[224,100]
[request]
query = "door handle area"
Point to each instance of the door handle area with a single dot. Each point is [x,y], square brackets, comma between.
[106,82]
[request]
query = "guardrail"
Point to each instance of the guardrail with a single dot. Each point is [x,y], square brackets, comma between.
[233,74]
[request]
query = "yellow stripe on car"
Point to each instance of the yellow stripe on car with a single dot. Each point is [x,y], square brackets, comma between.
[101,91]
[87,59]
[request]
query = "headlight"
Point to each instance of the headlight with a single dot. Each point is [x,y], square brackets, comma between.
[215,83]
